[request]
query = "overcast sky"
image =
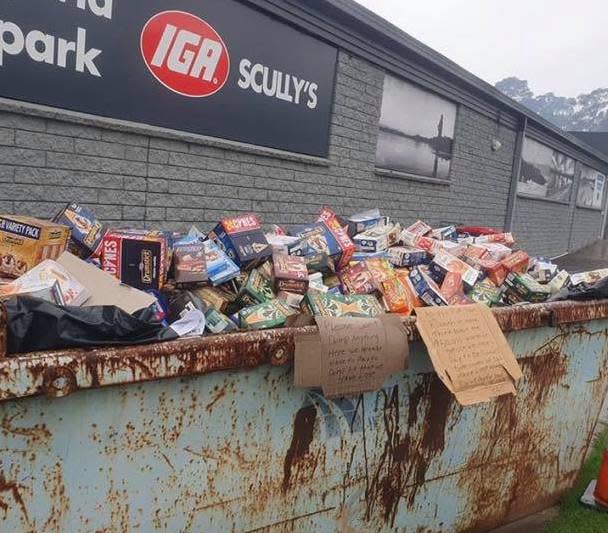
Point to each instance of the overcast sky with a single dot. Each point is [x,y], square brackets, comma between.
[557,45]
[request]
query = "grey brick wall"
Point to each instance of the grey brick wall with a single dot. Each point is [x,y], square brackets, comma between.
[542,228]
[158,181]
[586,227]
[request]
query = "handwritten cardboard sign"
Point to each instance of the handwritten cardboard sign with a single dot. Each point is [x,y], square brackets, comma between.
[469,352]
[349,356]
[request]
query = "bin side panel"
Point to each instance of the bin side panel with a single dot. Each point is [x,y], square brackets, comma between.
[245,451]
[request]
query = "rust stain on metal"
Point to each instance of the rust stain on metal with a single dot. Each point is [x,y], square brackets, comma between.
[298,458]
[14,489]
[401,468]
[218,396]
[35,434]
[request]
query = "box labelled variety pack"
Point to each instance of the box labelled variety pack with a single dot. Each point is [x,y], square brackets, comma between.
[26,242]
[243,240]
[137,258]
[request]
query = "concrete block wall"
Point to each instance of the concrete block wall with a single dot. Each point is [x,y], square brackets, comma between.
[586,227]
[144,177]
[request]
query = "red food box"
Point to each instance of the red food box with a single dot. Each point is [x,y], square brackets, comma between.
[397,297]
[137,258]
[358,279]
[340,234]
[419,228]
[290,273]
[517,262]
[475,252]
[381,270]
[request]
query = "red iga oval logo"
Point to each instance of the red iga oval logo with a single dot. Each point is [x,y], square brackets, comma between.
[185,54]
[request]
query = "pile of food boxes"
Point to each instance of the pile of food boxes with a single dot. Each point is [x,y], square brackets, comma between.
[244,278]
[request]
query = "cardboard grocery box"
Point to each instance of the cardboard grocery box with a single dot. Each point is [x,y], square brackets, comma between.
[137,258]
[517,262]
[405,256]
[426,289]
[189,263]
[26,242]
[397,298]
[290,273]
[268,315]
[377,239]
[450,263]
[243,240]
[86,231]
[326,304]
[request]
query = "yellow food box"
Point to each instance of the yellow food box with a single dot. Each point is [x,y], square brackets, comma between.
[27,241]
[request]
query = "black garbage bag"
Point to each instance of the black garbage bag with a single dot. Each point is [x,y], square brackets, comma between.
[35,325]
[597,291]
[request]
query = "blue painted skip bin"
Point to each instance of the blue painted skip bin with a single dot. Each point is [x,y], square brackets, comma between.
[209,435]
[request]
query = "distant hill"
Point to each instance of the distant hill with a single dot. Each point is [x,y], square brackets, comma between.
[587,112]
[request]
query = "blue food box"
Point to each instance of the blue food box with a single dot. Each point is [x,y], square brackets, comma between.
[405,256]
[243,240]
[426,289]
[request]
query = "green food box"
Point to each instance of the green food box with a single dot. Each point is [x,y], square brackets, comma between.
[331,305]
[267,315]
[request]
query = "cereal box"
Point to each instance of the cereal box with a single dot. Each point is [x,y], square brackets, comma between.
[290,273]
[26,241]
[242,239]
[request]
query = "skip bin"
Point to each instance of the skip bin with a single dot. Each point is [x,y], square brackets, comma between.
[209,435]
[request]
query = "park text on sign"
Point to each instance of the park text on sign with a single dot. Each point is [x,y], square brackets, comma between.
[185,68]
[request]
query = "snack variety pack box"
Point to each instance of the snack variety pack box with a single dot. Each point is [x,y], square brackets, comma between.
[290,273]
[27,241]
[86,231]
[326,304]
[243,240]
[136,257]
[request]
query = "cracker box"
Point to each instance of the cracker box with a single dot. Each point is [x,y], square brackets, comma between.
[450,263]
[268,315]
[326,304]
[242,239]
[189,264]
[220,268]
[377,239]
[86,232]
[405,256]
[419,228]
[485,292]
[26,242]
[358,279]
[517,262]
[397,298]
[137,258]
[426,289]
[290,273]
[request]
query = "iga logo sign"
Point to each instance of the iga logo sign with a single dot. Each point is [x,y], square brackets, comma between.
[185,54]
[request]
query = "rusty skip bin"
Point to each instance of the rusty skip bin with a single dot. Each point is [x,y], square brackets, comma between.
[209,435]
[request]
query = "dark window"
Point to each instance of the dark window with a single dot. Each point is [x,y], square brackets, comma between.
[416,131]
[545,172]
[591,188]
